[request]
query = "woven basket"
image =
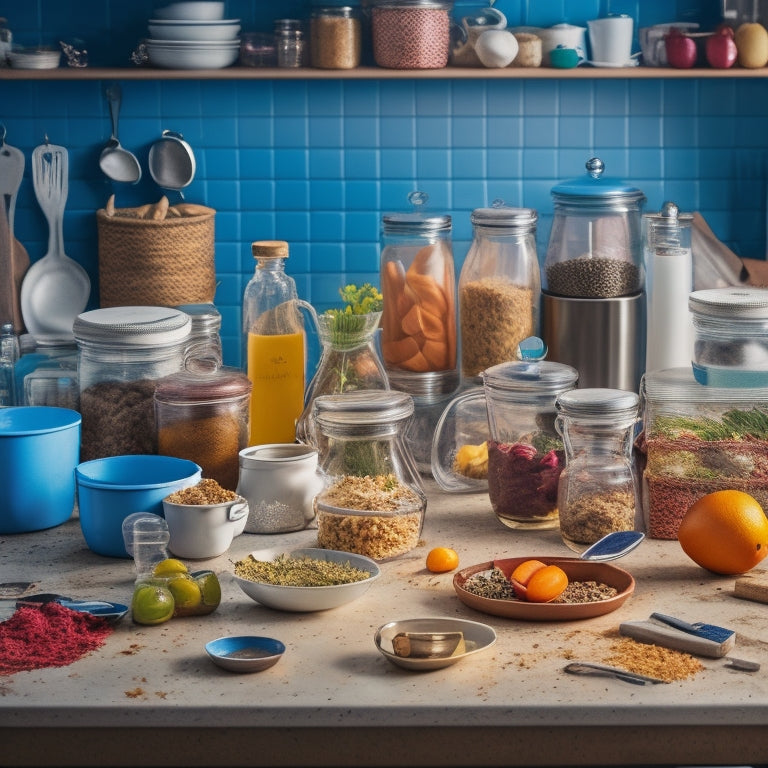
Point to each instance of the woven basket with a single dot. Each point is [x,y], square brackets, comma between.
[143,262]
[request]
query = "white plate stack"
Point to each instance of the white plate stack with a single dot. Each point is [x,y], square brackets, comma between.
[193,35]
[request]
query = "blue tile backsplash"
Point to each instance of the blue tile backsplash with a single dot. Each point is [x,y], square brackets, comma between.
[317,162]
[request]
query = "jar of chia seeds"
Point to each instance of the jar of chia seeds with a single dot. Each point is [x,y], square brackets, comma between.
[411,34]
[121,353]
[372,502]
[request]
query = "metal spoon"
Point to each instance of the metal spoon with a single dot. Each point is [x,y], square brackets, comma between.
[613,546]
[116,161]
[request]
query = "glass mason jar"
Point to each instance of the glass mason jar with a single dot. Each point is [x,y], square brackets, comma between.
[525,453]
[289,43]
[335,37]
[418,333]
[372,502]
[204,334]
[597,491]
[499,287]
[122,352]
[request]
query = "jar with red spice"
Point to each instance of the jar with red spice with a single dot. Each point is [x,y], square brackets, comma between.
[525,452]
[411,34]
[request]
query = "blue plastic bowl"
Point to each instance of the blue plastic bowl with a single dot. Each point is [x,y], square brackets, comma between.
[110,489]
[39,450]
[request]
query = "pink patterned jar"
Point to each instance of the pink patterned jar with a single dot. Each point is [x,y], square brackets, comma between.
[411,34]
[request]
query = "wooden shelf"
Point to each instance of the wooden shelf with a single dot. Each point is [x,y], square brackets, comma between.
[378,73]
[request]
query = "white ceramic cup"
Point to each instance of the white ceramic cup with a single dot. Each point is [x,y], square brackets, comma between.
[652,42]
[610,40]
[280,482]
[201,531]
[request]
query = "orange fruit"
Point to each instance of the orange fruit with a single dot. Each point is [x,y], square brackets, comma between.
[525,570]
[546,584]
[725,532]
[442,559]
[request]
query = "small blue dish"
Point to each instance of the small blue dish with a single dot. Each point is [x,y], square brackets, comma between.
[564,58]
[245,653]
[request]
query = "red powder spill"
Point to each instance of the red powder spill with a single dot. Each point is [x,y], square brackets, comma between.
[48,636]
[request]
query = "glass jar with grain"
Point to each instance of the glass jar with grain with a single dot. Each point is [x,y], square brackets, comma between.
[335,37]
[372,502]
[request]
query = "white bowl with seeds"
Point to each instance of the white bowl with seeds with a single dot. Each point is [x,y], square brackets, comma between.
[303,580]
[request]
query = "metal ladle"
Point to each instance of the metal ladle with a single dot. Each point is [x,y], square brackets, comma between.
[115,161]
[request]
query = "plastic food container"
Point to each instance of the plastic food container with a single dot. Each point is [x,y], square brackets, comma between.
[730,336]
[411,34]
[698,439]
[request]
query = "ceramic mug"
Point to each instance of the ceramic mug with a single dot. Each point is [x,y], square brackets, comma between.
[610,40]
[564,35]
[652,41]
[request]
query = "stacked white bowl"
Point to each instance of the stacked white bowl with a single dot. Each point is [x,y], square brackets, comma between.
[193,35]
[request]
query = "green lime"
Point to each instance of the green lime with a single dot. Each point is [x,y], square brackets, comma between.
[186,593]
[152,604]
[169,566]
[210,588]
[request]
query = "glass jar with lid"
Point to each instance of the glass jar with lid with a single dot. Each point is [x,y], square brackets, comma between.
[373,502]
[597,491]
[418,285]
[290,45]
[335,37]
[499,287]
[122,352]
[204,339]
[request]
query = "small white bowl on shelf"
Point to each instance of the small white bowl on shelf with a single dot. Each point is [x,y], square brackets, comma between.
[34,58]
[209,31]
[193,10]
[192,54]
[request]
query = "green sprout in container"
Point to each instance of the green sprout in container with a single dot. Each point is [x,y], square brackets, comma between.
[360,316]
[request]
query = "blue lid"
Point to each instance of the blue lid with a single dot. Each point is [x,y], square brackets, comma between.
[593,185]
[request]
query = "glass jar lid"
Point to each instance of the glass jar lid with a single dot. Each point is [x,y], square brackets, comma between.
[597,402]
[191,387]
[596,189]
[730,303]
[133,326]
[363,407]
[505,217]
[538,377]
[416,220]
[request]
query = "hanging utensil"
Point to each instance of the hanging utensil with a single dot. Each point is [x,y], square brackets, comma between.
[115,161]
[14,259]
[172,162]
[56,288]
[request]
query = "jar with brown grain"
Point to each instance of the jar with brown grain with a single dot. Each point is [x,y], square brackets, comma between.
[335,37]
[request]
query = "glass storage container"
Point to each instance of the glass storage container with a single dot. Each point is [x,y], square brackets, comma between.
[335,37]
[122,352]
[204,338]
[372,502]
[499,287]
[698,439]
[597,491]
[290,45]
[48,376]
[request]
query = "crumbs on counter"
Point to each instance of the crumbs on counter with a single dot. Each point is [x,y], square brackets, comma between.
[653,660]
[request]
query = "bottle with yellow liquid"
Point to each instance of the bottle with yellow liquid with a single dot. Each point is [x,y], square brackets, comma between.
[275,346]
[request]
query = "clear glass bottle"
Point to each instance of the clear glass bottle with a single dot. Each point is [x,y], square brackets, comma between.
[335,37]
[122,352]
[274,346]
[290,45]
[373,502]
[499,287]
[9,356]
[597,492]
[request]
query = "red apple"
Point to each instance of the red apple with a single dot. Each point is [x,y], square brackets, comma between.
[681,49]
[721,48]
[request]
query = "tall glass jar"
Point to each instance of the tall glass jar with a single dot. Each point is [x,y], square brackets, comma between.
[122,352]
[274,346]
[290,45]
[525,453]
[335,37]
[373,502]
[418,284]
[204,337]
[499,287]
[597,492]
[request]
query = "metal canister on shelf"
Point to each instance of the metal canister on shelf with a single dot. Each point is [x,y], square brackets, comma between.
[335,37]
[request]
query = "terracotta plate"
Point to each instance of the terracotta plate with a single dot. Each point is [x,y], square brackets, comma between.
[577,570]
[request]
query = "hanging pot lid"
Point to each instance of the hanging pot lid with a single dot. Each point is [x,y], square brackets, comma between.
[172,161]
[593,187]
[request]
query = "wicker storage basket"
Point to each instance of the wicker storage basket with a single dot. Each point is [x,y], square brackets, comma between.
[144,262]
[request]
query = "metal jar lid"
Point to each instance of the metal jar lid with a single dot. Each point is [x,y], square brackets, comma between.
[597,402]
[730,303]
[539,377]
[439,4]
[189,387]
[596,189]
[133,326]
[502,217]
[416,221]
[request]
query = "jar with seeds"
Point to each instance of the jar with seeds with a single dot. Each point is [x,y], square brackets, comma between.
[372,502]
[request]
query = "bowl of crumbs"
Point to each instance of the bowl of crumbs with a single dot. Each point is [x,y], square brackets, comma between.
[590,589]
[303,580]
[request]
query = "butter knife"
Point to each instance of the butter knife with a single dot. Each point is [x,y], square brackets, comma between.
[593,668]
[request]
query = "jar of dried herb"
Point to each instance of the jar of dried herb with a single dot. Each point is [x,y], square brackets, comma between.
[597,490]
[372,502]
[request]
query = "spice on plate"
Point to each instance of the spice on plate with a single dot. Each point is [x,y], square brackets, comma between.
[653,660]
[207,491]
[48,635]
[302,571]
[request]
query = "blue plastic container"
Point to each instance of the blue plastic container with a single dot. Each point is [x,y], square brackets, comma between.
[39,450]
[110,489]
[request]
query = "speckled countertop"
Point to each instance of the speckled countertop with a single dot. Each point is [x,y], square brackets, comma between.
[150,695]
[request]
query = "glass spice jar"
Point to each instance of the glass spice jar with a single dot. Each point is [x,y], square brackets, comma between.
[204,339]
[335,37]
[499,287]
[121,353]
[597,491]
[373,502]
[290,45]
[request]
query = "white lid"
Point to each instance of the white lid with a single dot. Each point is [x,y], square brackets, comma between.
[746,303]
[133,326]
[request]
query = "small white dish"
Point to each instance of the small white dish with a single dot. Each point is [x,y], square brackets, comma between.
[608,65]
[193,10]
[168,29]
[305,599]
[34,58]
[193,55]
[477,637]
[245,653]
